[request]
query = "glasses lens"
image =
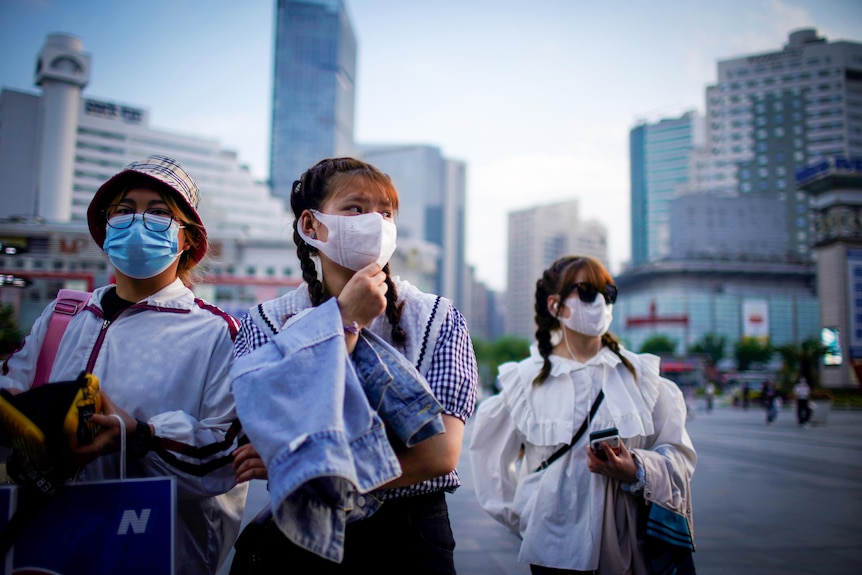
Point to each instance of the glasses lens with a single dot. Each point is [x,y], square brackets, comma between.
[611,293]
[157,221]
[587,292]
[120,221]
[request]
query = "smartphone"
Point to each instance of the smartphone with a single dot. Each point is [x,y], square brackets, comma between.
[611,436]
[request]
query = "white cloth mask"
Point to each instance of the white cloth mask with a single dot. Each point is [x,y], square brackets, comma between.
[588,318]
[355,241]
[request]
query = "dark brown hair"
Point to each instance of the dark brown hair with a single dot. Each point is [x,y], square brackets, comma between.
[559,279]
[310,192]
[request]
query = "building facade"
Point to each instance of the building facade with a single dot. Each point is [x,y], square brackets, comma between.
[771,114]
[745,228]
[536,237]
[432,208]
[313,96]
[835,187]
[43,199]
[660,168]
[686,300]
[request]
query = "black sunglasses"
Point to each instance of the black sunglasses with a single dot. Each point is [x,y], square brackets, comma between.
[587,292]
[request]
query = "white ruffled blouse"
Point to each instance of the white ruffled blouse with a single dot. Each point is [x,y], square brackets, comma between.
[558,512]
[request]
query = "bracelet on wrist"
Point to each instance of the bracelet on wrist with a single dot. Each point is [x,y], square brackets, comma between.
[354,328]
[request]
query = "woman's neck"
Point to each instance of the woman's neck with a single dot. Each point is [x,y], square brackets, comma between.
[577,346]
[334,277]
[135,290]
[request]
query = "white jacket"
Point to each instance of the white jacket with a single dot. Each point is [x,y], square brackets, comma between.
[165,361]
[559,512]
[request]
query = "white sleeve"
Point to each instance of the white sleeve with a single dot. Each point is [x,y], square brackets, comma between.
[198,451]
[668,457]
[495,448]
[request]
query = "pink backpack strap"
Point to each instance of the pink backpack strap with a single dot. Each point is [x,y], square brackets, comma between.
[69,302]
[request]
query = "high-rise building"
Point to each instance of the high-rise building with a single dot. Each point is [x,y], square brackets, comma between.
[773,113]
[45,189]
[537,237]
[660,155]
[432,197]
[313,94]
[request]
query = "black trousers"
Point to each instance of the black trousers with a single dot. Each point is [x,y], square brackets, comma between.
[540,570]
[406,535]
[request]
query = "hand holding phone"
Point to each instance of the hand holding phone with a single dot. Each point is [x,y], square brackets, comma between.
[611,436]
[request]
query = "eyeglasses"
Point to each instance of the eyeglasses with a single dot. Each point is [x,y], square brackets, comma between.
[121,216]
[587,292]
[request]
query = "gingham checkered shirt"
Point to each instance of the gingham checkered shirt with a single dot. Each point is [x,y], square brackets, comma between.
[453,378]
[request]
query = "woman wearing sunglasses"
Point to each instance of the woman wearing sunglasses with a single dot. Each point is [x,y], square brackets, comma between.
[623,506]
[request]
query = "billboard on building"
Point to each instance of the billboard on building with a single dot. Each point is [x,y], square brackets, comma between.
[755,318]
[831,342]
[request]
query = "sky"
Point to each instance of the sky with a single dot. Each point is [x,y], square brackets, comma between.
[536,97]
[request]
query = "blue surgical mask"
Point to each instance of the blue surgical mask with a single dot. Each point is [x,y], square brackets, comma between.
[139,252]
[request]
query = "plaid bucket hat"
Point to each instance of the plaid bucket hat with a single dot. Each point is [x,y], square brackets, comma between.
[169,176]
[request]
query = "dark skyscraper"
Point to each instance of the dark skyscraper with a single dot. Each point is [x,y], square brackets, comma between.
[313,88]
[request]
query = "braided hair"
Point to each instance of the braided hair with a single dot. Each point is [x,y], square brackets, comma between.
[559,279]
[310,192]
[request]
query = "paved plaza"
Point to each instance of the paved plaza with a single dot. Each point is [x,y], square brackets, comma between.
[768,500]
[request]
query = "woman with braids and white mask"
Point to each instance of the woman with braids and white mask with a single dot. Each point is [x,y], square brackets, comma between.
[576,510]
[345,233]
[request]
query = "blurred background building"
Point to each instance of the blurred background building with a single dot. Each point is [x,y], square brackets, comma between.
[314,94]
[723,242]
[537,237]
[660,156]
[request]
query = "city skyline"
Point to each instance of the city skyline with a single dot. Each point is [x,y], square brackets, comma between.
[531,96]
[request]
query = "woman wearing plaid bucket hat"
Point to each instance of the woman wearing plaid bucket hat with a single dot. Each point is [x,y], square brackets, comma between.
[161,355]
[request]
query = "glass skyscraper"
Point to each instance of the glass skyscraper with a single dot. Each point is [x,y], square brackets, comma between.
[660,155]
[313,88]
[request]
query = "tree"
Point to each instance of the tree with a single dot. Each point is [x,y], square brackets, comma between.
[10,335]
[750,350]
[489,356]
[658,344]
[712,345]
[801,360]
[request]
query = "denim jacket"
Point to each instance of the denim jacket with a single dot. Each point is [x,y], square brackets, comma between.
[317,420]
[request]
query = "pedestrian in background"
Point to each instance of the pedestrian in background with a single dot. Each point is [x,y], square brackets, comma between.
[768,400]
[345,232]
[802,393]
[576,510]
[161,355]
[710,396]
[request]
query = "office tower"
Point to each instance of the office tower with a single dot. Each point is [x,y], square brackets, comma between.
[773,113]
[432,197]
[746,228]
[313,88]
[660,155]
[537,237]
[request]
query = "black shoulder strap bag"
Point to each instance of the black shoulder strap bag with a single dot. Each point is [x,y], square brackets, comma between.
[559,453]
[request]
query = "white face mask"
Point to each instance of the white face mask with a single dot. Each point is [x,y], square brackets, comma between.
[355,241]
[588,318]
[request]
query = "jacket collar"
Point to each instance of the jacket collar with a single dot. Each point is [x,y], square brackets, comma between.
[173,296]
[562,365]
